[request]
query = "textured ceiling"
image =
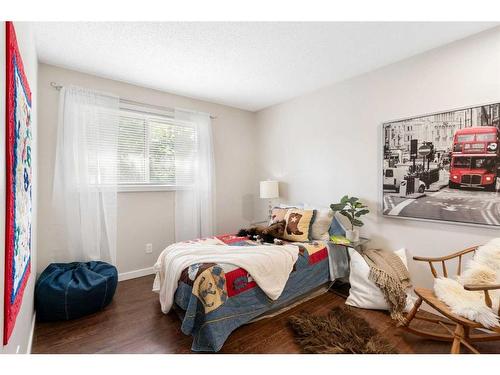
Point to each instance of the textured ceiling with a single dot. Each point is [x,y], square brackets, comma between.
[245,65]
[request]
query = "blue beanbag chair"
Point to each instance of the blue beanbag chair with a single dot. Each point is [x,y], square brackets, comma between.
[70,290]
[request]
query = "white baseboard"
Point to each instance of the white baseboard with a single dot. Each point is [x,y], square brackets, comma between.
[135,274]
[30,340]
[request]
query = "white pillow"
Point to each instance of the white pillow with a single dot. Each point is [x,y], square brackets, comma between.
[286,205]
[322,222]
[364,293]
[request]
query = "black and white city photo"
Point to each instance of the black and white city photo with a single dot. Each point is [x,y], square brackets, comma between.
[444,166]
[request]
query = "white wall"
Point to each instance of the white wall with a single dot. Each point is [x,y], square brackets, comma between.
[147,217]
[20,338]
[327,143]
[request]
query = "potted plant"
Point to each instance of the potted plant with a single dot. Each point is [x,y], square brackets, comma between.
[353,209]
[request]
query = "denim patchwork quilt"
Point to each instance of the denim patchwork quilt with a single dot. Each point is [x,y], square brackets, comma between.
[218,298]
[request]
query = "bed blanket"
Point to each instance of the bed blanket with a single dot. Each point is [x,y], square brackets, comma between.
[268,265]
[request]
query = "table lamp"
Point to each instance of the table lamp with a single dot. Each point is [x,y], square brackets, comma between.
[269,190]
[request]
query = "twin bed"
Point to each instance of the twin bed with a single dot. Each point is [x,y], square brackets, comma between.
[215,298]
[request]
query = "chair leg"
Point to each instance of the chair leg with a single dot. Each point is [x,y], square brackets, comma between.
[470,347]
[459,335]
[412,312]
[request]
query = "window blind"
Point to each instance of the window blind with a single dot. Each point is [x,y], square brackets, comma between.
[155,150]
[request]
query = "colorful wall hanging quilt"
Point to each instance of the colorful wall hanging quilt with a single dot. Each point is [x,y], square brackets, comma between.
[18,240]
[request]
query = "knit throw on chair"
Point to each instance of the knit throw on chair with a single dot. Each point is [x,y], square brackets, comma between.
[389,273]
[483,269]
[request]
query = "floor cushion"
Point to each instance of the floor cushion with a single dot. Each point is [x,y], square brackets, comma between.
[364,293]
[71,290]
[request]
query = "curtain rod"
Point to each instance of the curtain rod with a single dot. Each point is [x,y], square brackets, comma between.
[59,87]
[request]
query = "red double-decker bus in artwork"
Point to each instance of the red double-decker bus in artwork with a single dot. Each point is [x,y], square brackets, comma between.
[475,158]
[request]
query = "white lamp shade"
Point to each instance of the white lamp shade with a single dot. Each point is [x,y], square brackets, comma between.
[269,189]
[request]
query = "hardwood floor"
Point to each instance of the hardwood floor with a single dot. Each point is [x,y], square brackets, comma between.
[133,323]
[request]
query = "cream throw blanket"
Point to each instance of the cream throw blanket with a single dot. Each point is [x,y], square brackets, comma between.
[389,273]
[269,265]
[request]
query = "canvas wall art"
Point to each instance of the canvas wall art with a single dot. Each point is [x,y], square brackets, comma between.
[19,183]
[444,166]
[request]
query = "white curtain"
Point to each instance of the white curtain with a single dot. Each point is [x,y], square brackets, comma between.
[85,176]
[195,204]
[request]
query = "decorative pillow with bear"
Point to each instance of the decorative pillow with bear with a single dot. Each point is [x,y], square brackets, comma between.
[298,224]
[277,215]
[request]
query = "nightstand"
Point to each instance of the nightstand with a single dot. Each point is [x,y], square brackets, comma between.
[341,286]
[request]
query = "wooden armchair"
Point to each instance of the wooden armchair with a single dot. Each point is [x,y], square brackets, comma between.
[463,328]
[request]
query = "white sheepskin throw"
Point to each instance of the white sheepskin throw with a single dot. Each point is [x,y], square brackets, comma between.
[484,268]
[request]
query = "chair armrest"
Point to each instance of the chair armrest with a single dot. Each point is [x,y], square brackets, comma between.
[426,259]
[481,287]
[446,257]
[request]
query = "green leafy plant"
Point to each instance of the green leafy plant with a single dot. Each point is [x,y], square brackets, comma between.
[351,208]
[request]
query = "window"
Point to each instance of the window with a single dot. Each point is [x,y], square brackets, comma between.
[475,163]
[155,150]
[465,138]
[483,163]
[462,162]
[486,137]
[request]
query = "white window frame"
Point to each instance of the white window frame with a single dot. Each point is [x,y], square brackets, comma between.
[149,187]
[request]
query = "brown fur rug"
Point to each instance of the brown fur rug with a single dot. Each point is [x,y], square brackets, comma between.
[340,332]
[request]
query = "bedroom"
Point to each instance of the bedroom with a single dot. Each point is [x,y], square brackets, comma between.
[142,137]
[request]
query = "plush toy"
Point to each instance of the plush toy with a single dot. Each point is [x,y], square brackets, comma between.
[270,234]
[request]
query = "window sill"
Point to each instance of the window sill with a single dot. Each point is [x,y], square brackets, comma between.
[148,188]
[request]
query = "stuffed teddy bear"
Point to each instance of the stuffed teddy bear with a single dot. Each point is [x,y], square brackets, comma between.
[270,234]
